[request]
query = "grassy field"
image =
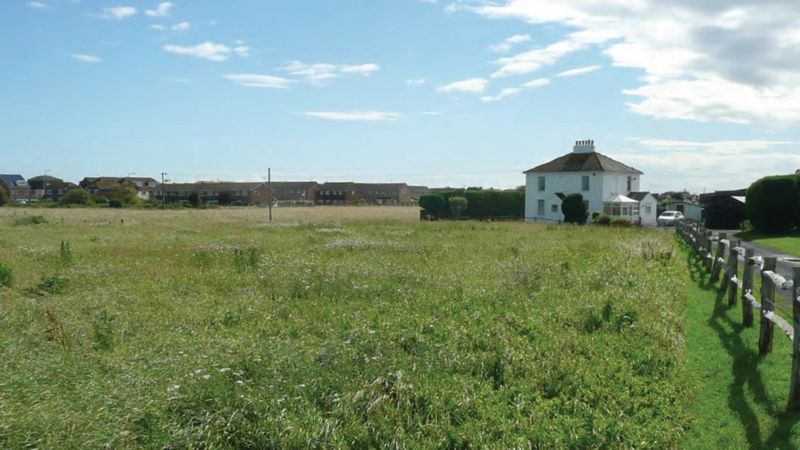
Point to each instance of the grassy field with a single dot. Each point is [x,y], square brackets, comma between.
[337,327]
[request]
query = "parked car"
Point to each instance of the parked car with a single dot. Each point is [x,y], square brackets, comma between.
[668,218]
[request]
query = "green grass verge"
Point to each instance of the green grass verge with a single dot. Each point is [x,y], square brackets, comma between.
[788,243]
[739,397]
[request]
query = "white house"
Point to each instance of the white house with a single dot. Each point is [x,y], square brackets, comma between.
[608,187]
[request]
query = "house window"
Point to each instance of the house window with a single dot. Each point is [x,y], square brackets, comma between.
[648,209]
[554,208]
[585,183]
[540,207]
[630,183]
[541,184]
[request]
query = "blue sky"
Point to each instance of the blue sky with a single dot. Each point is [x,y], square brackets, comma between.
[440,93]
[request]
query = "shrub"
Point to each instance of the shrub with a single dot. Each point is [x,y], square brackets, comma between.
[77,196]
[103,329]
[53,284]
[4,198]
[620,223]
[488,204]
[433,204]
[595,215]
[574,209]
[602,220]
[6,275]
[457,206]
[29,220]
[773,203]
[115,203]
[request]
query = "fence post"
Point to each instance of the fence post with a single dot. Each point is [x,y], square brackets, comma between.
[709,254]
[733,270]
[747,286]
[794,389]
[767,306]
[717,267]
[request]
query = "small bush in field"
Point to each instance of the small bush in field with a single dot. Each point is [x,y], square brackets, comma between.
[29,220]
[103,329]
[53,284]
[6,275]
[245,259]
[602,220]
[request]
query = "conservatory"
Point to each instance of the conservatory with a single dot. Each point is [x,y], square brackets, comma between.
[622,207]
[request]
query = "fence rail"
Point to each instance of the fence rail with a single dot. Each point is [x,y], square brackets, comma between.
[720,257]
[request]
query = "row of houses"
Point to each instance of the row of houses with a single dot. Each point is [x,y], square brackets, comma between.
[51,188]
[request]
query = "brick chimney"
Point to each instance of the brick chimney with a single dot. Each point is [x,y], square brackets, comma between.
[583,146]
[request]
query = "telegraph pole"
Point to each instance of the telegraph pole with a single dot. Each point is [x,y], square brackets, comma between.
[163,174]
[269,187]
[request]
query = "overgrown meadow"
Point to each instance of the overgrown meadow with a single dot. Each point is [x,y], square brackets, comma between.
[175,329]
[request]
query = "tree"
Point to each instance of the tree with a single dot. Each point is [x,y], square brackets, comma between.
[4,199]
[432,204]
[457,206]
[225,198]
[574,209]
[773,203]
[125,193]
[76,196]
[194,199]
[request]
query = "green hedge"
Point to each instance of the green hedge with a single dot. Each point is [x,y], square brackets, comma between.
[773,203]
[481,204]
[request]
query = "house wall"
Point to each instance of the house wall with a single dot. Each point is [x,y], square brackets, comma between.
[690,211]
[648,219]
[602,185]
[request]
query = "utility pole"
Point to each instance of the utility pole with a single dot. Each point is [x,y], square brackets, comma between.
[269,187]
[163,174]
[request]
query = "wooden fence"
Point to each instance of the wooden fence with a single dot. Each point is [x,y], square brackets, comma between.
[720,257]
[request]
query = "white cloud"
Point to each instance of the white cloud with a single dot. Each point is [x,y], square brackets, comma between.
[38,5]
[162,10]
[183,26]
[716,60]
[259,81]
[471,85]
[511,91]
[505,92]
[208,50]
[354,116]
[415,82]
[709,165]
[157,27]
[119,12]
[509,42]
[320,73]
[85,58]
[578,71]
[539,82]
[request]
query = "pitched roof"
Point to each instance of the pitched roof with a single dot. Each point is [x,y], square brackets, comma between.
[638,196]
[584,162]
[12,180]
[220,186]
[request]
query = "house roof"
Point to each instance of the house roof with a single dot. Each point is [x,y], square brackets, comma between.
[12,180]
[584,162]
[619,198]
[220,186]
[49,178]
[638,196]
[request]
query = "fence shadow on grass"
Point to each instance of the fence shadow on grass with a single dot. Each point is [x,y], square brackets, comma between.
[746,376]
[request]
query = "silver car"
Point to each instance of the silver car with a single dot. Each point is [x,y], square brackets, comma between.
[668,218]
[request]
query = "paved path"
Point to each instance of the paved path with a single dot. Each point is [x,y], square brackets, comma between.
[782,268]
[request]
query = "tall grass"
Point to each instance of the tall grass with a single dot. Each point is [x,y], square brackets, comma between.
[353,333]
